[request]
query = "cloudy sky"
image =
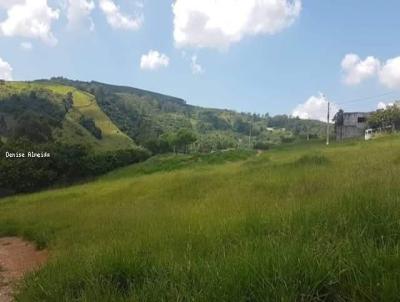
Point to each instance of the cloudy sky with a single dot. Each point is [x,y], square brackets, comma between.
[275,56]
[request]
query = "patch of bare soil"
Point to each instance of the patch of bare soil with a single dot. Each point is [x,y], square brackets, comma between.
[17,257]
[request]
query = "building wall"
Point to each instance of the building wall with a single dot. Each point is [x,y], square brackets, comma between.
[354,125]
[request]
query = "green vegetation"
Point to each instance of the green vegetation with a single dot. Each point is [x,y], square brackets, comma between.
[297,223]
[150,119]
[65,164]
[105,118]
[89,124]
[63,122]
[30,114]
[312,160]
[386,118]
[60,114]
[58,111]
[171,162]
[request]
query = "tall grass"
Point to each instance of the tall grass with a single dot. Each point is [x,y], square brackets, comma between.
[297,224]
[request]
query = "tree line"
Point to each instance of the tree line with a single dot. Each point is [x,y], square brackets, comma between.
[386,118]
[67,164]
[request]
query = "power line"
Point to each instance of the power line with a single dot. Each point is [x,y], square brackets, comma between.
[367,98]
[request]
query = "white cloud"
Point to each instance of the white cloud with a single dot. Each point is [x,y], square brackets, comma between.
[26,45]
[357,70]
[196,67]
[78,13]
[5,70]
[383,105]
[30,19]
[390,73]
[153,60]
[315,108]
[219,23]
[117,19]
[9,3]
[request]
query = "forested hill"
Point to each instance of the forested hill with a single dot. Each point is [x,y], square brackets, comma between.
[64,123]
[50,112]
[99,127]
[153,120]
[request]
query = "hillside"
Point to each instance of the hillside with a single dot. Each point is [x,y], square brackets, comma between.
[148,117]
[21,100]
[108,117]
[99,127]
[297,223]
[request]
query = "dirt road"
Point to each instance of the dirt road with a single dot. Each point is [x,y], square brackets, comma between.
[17,257]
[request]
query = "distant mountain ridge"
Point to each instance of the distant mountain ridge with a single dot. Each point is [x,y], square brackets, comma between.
[111,117]
[112,88]
[146,116]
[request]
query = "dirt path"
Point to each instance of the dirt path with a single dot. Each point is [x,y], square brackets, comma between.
[17,257]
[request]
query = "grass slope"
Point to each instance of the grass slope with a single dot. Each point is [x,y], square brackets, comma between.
[84,104]
[297,224]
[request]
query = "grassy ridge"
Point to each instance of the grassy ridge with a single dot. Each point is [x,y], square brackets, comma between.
[84,104]
[296,224]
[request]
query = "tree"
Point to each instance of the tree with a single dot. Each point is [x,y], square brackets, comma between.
[69,101]
[3,125]
[158,146]
[171,139]
[384,118]
[184,138]
[32,127]
[241,126]
[339,120]
[90,125]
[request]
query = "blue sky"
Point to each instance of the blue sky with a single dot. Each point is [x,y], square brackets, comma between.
[275,59]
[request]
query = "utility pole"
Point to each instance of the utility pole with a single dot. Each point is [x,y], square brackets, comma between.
[250,132]
[327,123]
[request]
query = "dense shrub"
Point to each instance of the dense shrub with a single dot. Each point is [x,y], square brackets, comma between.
[33,128]
[90,125]
[215,141]
[68,101]
[158,146]
[68,163]
[262,146]
[385,118]
[288,139]
[32,114]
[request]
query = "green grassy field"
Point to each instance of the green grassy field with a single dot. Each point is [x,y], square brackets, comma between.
[300,223]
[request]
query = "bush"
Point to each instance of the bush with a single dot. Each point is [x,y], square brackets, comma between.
[262,146]
[216,141]
[89,124]
[101,163]
[158,146]
[32,114]
[33,128]
[68,163]
[288,139]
